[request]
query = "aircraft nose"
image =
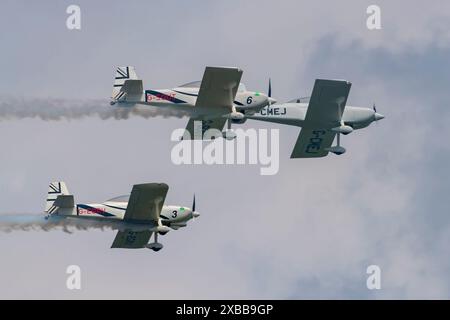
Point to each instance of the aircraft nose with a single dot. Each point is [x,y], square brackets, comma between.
[378,116]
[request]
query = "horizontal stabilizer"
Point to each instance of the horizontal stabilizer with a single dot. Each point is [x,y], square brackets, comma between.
[64,201]
[132,87]
[55,189]
[121,89]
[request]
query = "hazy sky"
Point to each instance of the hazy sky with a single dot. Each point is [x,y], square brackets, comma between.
[308,232]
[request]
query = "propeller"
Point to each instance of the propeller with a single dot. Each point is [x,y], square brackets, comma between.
[377,116]
[195,214]
[269,92]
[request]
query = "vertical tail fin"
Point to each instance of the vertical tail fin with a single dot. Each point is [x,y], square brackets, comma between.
[55,189]
[122,74]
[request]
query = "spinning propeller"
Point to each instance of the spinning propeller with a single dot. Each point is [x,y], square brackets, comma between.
[377,116]
[195,214]
[269,94]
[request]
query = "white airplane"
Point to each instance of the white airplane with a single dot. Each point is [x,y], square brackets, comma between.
[136,216]
[322,118]
[217,98]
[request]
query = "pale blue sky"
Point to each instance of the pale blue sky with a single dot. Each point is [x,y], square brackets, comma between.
[308,232]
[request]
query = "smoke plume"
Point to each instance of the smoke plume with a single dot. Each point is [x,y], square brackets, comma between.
[34,222]
[53,109]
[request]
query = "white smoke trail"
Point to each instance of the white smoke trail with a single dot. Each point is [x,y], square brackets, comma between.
[34,222]
[53,109]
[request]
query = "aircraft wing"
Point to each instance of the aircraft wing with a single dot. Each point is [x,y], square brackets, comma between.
[218,88]
[197,126]
[129,239]
[327,103]
[325,109]
[146,202]
[215,98]
[311,143]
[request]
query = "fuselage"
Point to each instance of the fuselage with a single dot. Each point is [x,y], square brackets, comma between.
[294,114]
[184,98]
[111,214]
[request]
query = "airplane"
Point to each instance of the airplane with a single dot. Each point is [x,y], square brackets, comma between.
[136,216]
[321,118]
[218,97]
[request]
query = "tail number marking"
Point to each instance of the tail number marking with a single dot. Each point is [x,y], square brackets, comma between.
[82,211]
[273,112]
[315,142]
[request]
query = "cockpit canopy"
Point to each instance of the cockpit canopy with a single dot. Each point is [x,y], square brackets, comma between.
[300,100]
[197,84]
[193,84]
[242,87]
[123,198]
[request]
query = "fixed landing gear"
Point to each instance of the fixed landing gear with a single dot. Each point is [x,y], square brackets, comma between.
[338,150]
[155,246]
[233,116]
[229,134]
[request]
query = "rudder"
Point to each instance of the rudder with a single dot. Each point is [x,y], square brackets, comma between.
[55,189]
[122,74]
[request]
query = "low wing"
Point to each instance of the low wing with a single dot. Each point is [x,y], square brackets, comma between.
[218,88]
[129,239]
[327,103]
[215,98]
[325,109]
[311,143]
[146,201]
[197,127]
